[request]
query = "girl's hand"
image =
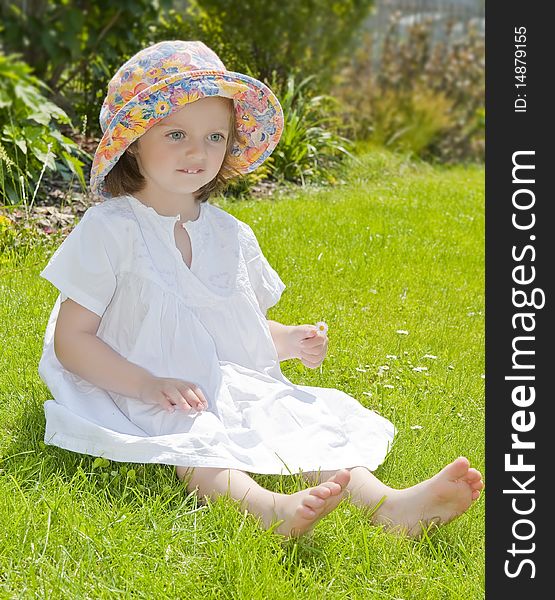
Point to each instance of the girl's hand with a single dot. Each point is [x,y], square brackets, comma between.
[172,394]
[308,344]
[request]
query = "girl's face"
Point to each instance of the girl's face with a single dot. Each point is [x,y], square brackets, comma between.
[192,138]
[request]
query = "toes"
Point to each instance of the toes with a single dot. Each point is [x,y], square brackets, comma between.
[335,488]
[321,491]
[342,477]
[313,502]
[473,475]
[474,479]
[326,490]
[475,494]
[305,512]
[458,468]
[477,485]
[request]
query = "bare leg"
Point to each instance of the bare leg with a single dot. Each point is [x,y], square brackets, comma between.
[299,512]
[437,500]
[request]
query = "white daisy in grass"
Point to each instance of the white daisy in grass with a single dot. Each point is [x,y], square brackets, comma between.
[391,356]
[420,369]
[416,427]
[432,356]
[402,332]
[382,369]
[322,327]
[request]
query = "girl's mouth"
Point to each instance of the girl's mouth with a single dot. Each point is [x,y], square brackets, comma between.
[192,172]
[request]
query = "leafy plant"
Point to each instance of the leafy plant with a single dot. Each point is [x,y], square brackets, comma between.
[30,140]
[76,46]
[423,97]
[411,120]
[309,148]
[261,38]
[241,187]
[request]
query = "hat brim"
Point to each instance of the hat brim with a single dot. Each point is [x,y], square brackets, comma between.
[260,126]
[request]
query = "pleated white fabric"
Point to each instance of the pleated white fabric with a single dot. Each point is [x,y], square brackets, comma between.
[205,324]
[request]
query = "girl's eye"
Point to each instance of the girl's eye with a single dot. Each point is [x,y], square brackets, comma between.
[180,133]
[175,133]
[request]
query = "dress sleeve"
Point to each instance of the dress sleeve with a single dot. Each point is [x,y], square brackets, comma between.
[266,283]
[82,267]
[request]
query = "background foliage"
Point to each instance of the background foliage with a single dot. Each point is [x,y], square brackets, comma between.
[275,39]
[316,55]
[75,46]
[30,140]
[426,98]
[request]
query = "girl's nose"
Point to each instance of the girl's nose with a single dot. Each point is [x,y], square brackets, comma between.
[196,150]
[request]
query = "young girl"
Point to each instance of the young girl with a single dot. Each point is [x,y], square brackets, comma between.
[158,349]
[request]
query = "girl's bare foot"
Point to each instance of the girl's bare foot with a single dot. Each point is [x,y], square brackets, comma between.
[302,510]
[438,500]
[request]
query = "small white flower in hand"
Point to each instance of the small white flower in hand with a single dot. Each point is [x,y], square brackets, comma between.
[322,327]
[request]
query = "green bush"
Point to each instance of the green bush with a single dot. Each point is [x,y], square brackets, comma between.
[310,147]
[424,99]
[266,39]
[309,150]
[30,141]
[76,47]
[242,187]
[409,119]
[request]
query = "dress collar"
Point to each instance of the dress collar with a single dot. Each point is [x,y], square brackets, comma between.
[187,224]
[218,261]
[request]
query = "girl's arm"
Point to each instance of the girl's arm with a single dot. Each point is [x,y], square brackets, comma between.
[89,357]
[280,335]
[80,351]
[299,341]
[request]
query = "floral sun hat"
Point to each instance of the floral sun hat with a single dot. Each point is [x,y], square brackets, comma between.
[163,78]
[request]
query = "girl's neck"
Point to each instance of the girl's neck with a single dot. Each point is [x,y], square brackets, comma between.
[186,206]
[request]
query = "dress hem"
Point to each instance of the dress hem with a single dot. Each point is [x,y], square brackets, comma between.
[179,460]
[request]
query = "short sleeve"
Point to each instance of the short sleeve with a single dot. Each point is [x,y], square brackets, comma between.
[82,267]
[265,282]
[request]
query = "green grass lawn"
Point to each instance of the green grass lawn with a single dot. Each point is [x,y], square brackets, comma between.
[398,248]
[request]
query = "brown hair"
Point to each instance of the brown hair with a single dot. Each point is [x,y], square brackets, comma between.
[125,176]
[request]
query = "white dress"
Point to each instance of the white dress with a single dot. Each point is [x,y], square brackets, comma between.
[205,325]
